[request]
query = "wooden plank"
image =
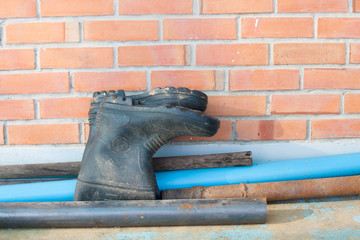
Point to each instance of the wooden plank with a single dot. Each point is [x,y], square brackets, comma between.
[39,170]
[160,164]
[203,161]
[273,191]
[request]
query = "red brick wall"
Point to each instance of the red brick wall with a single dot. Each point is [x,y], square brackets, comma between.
[273,69]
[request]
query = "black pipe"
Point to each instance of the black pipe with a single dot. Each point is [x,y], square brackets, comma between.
[133,213]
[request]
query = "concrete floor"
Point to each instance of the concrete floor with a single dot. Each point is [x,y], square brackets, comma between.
[326,218]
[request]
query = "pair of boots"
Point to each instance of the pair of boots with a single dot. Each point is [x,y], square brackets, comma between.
[126,131]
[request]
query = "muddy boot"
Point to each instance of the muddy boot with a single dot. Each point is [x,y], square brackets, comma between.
[182,97]
[118,165]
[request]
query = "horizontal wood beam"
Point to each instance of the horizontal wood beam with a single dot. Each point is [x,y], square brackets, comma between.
[160,164]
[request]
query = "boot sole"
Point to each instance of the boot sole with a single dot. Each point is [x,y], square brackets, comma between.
[183,97]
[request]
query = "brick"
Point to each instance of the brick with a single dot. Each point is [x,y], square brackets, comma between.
[274,79]
[197,28]
[352,103]
[236,6]
[312,6]
[305,104]
[130,7]
[309,53]
[104,81]
[76,8]
[17,59]
[277,27]
[356,5]
[224,133]
[76,57]
[236,105]
[232,54]
[64,107]
[335,128]
[17,8]
[30,83]
[43,134]
[1,134]
[41,32]
[192,79]
[331,78]
[16,109]
[338,28]
[163,55]
[145,30]
[355,53]
[249,130]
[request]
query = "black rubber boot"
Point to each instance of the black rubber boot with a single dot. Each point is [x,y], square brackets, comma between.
[118,165]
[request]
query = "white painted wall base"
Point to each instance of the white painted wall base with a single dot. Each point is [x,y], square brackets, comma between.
[11,155]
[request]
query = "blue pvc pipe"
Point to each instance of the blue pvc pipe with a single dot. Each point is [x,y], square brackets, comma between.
[285,170]
[53,191]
